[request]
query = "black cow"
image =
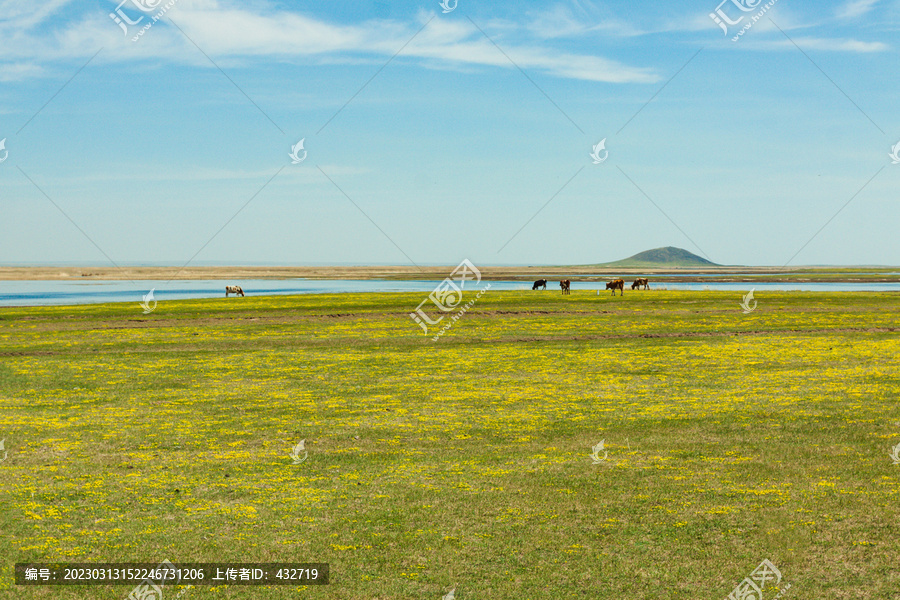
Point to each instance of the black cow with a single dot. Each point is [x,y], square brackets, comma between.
[540,283]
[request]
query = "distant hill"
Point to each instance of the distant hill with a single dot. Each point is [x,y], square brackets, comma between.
[662,258]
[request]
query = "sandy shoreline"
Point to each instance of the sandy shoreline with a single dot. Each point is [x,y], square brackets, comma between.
[581,273]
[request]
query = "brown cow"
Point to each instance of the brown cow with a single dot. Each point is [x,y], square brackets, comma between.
[233,289]
[618,284]
[640,283]
[564,285]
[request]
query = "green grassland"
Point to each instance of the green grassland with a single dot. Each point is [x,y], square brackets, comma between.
[731,438]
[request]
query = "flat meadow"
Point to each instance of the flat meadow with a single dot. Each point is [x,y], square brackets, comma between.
[465,462]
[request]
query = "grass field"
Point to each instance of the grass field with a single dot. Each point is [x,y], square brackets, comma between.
[731,438]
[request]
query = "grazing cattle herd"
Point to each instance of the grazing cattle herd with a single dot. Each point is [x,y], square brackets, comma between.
[564,286]
[616,284]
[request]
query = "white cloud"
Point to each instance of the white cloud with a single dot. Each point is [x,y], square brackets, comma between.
[25,15]
[230,33]
[238,33]
[835,44]
[466,45]
[17,71]
[766,35]
[561,21]
[38,35]
[855,8]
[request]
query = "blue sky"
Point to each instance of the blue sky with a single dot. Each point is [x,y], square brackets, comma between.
[483,122]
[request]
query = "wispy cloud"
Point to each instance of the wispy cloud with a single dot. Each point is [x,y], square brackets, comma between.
[241,33]
[18,71]
[38,37]
[238,32]
[25,15]
[562,21]
[767,36]
[855,9]
[833,44]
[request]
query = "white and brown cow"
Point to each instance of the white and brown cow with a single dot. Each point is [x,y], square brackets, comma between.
[233,289]
[641,284]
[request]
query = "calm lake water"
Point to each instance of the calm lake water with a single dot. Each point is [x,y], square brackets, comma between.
[34,293]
